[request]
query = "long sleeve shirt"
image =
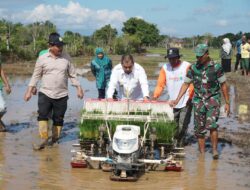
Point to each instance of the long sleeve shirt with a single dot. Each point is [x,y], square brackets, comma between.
[224,55]
[133,85]
[54,73]
[101,69]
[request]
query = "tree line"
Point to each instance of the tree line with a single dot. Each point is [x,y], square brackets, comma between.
[24,42]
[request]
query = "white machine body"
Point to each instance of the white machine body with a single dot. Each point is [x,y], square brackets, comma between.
[126,139]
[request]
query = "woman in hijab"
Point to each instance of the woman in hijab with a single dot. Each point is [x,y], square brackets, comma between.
[101,67]
[226,55]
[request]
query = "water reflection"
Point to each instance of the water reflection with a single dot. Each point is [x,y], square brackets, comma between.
[50,162]
[2,161]
[21,168]
[243,112]
[240,102]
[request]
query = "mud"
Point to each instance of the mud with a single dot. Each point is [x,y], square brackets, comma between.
[22,168]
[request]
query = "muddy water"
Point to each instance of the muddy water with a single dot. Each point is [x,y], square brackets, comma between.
[21,168]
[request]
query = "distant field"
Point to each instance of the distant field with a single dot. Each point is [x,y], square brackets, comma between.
[150,63]
[188,54]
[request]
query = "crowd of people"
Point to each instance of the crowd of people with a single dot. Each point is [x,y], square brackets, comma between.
[242,49]
[190,87]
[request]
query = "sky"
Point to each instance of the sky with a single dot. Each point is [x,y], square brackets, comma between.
[179,18]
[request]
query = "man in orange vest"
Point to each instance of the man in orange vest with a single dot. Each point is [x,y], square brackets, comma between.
[172,77]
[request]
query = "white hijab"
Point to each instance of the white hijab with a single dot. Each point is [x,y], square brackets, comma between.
[227,45]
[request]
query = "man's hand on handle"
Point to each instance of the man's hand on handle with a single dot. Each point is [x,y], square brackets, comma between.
[146,99]
[173,103]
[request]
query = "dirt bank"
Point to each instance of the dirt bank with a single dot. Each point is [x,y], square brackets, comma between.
[150,64]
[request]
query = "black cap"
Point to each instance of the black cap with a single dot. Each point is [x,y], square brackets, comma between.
[172,53]
[55,39]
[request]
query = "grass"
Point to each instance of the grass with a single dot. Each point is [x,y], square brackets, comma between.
[149,63]
[188,54]
[164,130]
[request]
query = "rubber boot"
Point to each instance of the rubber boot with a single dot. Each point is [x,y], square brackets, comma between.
[2,126]
[44,135]
[56,132]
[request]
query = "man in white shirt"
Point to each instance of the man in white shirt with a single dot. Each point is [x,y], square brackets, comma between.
[129,79]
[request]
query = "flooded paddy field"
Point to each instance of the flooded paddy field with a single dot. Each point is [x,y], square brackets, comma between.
[22,168]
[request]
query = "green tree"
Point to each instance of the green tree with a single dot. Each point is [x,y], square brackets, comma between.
[6,29]
[47,28]
[146,32]
[74,43]
[105,36]
[39,31]
[35,30]
[208,38]
[126,44]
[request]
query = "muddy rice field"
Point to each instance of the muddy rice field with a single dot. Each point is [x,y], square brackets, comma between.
[22,168]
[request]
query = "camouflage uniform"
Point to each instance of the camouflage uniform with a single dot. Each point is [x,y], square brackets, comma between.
[207,98]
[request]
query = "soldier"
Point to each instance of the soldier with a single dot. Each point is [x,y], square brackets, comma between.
[208,78]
